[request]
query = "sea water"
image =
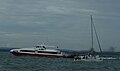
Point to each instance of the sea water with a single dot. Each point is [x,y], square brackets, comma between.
[9,62]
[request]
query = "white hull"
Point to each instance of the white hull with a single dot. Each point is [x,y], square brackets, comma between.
[89,60]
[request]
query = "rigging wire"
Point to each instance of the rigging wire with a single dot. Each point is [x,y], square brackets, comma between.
[93,28]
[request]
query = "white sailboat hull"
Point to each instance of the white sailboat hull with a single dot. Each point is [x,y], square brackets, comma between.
[89,60]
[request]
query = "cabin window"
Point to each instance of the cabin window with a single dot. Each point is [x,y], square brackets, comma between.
[48,52]
[27,51]
[37,46]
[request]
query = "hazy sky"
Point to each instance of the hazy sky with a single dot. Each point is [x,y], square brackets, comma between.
[64,23]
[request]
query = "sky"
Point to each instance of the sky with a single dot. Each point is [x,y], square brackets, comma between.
[63,23]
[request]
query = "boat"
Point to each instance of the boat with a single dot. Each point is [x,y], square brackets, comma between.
[41,51]
[88,58]
[91,56]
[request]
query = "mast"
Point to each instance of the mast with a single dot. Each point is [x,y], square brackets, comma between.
[94,29]
[92,33]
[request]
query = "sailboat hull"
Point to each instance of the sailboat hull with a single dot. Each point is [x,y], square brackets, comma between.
[89,60]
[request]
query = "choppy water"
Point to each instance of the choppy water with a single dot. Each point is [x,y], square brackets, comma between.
[8,62]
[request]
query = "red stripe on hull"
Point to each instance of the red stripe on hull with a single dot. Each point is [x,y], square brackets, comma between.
[40,55]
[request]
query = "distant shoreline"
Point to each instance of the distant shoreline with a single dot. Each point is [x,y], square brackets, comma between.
[5,49]
[105,53]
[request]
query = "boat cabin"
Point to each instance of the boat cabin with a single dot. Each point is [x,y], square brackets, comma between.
[40,47]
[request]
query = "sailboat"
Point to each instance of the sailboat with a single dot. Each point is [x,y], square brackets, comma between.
[91,56]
